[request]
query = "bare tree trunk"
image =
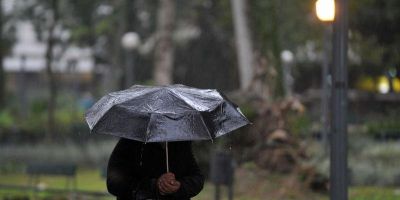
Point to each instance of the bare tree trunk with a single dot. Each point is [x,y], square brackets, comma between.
[164,51]
[243,43]
[113,76]
[2,73]
[49,71]
[279,90]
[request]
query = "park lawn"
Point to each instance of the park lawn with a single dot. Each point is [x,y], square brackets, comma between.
[87,180]
[355,193]
[91,180]
[374,193]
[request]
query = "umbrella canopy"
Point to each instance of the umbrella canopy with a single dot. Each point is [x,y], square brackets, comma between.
[165,113]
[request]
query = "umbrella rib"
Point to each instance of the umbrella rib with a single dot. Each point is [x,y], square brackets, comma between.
[205,126]
[147,131]
[237,126]
[115,99]
[181,97]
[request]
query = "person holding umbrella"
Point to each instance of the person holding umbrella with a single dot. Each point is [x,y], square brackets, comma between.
[154,159]
[137,171]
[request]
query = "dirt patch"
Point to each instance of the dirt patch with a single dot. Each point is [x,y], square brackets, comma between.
[254,183]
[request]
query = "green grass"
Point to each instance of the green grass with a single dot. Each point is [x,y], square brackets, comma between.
[355,193]
[374,193]
[88,180]
[249,188]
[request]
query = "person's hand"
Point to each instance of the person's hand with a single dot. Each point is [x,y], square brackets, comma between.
[167,184]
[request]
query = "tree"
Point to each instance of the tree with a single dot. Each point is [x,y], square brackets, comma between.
[98,24]
[280,25]
[53,20]
[2,73]
[81,20]
[6,40]
[45,17]
[243,43]
[375,30]
[164,51]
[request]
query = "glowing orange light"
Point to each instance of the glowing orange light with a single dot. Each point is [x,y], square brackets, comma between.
[325,10]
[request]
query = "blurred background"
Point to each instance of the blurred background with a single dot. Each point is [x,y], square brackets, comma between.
[271,57]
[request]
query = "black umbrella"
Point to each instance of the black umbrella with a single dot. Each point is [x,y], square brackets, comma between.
[164,114]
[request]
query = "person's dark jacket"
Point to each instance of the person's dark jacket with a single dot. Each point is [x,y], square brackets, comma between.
[134,168]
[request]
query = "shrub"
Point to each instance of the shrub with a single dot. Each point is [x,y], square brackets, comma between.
[385,128]
[299,124]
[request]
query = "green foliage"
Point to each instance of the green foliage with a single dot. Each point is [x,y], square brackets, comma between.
[281,25]
[299,124]
[249,111]
[370,162]
[104,26]
[68,117]
[11,167]
[85,153]
[382,127]
[6,119]
[374,193]
[38,106]
[80,33]
[374,35]
[225,16]
[35,122]
[67,120]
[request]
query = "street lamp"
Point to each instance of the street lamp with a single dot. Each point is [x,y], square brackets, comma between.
[338,158]
[325,10]
[130,42]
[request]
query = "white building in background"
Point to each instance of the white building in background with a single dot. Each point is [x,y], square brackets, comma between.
[25,65]
[28,55]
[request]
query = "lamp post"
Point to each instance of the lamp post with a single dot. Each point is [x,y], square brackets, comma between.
[338,158]
[339,168]
[130,42]
[325,10]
